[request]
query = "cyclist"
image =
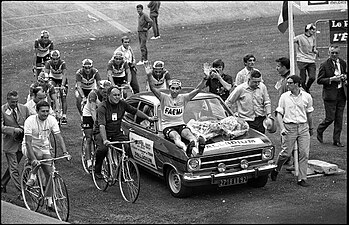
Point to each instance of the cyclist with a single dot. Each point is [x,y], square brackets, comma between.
[107,126]
[118,70]
[42,48]
[36,143]
[160,76]
[38,95]
[89,115]
[47,87]
[87,78]
[56,70]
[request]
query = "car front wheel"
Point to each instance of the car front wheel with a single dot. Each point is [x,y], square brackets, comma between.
[174,183]
[259,181]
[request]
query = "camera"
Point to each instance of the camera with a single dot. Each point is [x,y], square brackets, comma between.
[213,70]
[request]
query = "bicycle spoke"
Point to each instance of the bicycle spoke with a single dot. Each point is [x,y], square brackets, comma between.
[31,195]
[60,198]
[129,181]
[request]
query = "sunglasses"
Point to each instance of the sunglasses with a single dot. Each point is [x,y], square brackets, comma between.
[118,58]
[251,60]
[87,67]
[126,42]
[334,53]
[55,59]
[175,88]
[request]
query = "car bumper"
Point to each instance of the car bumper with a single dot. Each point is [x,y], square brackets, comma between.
[199,180]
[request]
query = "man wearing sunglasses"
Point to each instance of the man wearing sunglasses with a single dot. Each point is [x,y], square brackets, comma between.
[56,70]
[42,48]
[333,76]
[87,78]
[172,111]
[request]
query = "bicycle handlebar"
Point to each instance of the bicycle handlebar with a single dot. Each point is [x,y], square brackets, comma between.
[54,159]
[126,142]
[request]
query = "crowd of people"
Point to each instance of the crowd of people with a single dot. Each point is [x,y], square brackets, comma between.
[26,128]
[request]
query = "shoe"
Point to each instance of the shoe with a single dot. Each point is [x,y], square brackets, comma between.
[140,63]
[3,189]
[99,176]
[64,121]
[30,182]
[190,148]
[202,142]
[158,37]
[153,38]
[273,175]
[338,144]
[290,168]
[320,138]
[303,183]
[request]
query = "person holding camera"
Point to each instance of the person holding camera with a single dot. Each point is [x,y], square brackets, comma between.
[333,76]
[13,115]
[218,82]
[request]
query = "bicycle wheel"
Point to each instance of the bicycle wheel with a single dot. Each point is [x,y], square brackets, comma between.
[83,155]
[53,145]
[101,184]
[129,181]
[31,194]
[60,198]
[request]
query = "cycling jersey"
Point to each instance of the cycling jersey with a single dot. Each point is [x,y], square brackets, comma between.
[118,70]
[44,48]
[56,70]
[88,81]
[159,80]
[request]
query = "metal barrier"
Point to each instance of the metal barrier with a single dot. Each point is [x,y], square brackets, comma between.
[322,37]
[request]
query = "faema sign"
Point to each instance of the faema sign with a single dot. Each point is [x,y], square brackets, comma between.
[338,31]
[323,5]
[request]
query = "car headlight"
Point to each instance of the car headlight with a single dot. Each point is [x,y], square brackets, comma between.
[267,153]
[194,164]
[244,164]
[221,167]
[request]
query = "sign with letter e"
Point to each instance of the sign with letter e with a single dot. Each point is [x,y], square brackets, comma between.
[323,5]
[338,31]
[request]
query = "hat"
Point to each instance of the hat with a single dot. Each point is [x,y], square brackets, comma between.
[175,82]
[269,124]
[105,83]
[43,76]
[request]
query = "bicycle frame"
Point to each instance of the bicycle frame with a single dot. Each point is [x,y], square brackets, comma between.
[60,107]
[123,89]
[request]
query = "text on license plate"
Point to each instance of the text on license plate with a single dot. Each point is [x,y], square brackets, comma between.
[232,181]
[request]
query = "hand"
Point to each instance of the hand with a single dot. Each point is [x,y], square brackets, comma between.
[207,69]
[153,119]
[35,163]
[106,142]
[69,156]
[18,130]
[148,67]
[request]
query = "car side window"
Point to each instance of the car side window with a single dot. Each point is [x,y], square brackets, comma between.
[149,111]
[130,116]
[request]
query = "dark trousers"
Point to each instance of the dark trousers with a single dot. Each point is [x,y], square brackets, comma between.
[102,150]
[155,25]
[134,80]
[257,124]
[13,166]
[333,113]
[303,69]
[142,37]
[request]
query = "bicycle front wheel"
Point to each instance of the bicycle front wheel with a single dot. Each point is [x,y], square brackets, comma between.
[31,194]
[84,155]
[129,180]
[101,183]
[60,198]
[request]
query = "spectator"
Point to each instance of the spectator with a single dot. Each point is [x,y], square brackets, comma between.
[56,70]
[129,57]
[154,7]
[294,116]
[144,24]
[173,125]
[333,76]
[305,55]
[87,78]
[107,126]
[13,115]
[42,48]
[252,100]
[39,94]
[244,74]
[219,83]
[160,76]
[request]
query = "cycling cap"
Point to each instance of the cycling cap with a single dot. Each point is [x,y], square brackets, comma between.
[310,26]
[158,65]
[105,83]
[175,82]
[43,76]
[118,54]
[43,32]
[87,62]
[55,54]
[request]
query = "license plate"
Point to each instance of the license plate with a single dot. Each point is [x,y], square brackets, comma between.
[232,181]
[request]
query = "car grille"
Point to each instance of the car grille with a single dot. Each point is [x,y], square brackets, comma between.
[232,160]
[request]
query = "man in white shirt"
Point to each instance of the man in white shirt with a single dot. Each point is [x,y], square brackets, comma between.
[39,94]
[243,75]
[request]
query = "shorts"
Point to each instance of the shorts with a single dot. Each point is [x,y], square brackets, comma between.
[120,80]
[178,128]
[87,122]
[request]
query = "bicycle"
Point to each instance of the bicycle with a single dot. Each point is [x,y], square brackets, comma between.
[59,112]
[117,167]
[83,152]
[34,196]
[124,88]
[37,68]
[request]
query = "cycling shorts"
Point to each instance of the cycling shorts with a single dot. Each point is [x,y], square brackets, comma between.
[178,128]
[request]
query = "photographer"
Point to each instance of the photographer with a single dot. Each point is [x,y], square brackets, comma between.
[333,76]
[218,82]
[13,116]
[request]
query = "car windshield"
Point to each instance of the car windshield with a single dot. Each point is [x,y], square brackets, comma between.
[205,109]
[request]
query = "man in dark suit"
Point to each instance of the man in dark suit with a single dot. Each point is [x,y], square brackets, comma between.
[13,115]
[333,76]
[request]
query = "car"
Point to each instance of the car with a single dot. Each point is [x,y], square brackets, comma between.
[245,156]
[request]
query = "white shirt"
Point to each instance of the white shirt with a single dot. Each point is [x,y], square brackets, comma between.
[31,105]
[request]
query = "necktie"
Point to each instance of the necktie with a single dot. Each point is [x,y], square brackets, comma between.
[14,114]
[338,71]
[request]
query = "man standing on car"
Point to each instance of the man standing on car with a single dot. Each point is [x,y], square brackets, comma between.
[144,24]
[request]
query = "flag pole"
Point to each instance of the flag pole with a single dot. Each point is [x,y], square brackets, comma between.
[290,37]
